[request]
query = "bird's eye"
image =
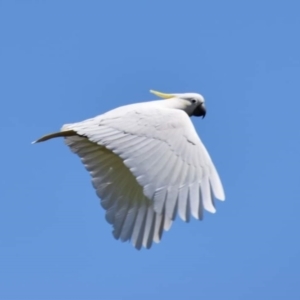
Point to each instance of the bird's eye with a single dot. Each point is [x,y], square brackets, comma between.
[193,101]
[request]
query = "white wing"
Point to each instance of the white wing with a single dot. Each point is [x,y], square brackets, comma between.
[147,164]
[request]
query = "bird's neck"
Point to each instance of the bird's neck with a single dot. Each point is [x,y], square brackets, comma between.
[175,103]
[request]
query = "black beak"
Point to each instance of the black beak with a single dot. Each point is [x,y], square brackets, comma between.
[200,111]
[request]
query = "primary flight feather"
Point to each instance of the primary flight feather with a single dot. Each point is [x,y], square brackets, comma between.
[147,165]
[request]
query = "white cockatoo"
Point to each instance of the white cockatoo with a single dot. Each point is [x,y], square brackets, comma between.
[147,165]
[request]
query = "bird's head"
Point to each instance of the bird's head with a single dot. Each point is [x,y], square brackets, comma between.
[193,104]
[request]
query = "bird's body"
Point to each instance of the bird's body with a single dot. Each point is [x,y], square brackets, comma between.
[147,164]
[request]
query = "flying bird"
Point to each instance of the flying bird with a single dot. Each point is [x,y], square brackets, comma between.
[147,164]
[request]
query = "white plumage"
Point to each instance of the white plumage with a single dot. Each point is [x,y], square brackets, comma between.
[147,165]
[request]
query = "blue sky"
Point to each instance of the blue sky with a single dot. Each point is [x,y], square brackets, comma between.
[65,61]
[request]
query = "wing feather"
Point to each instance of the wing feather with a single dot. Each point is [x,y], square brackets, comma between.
[158,227]
[139,227]
[167,224]
[207,196]
[194,199]
[171,203]
[149,228]
[183,203]
[129,223]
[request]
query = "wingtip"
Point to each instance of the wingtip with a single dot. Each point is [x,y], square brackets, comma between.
[221,196]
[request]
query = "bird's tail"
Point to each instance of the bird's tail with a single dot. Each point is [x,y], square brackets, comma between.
[63,133]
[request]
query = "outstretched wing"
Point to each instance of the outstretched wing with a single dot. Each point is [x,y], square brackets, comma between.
[147,165]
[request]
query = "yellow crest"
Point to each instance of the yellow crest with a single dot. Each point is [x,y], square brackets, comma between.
[162,95]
